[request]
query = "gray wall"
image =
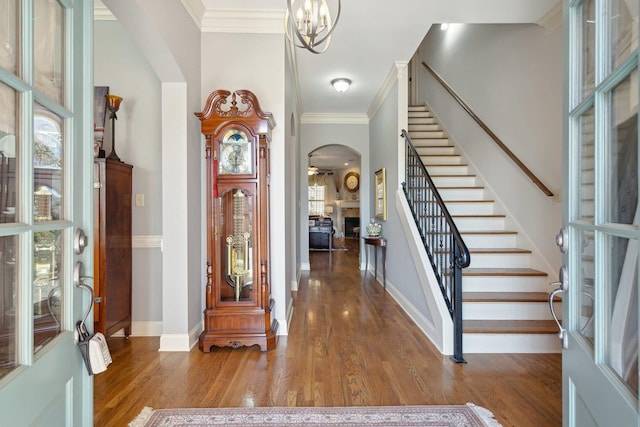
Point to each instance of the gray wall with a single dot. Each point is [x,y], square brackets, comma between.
[401,270]
[511,76]
[119,64]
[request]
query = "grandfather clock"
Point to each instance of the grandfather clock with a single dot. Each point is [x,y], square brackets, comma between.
[238,295]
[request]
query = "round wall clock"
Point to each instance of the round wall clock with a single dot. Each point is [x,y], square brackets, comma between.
[352,182]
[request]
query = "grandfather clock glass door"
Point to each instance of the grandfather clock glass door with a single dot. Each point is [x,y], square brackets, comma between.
[238,297]
[237,269]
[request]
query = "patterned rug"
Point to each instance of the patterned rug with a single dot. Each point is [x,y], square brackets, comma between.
[468,415]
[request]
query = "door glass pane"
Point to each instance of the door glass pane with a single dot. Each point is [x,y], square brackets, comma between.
[47,292]
[47,164]
[9,35]
[623,41]
[7,304]
[623,153]
[48,55]
[587,295]
[588,47]
[622,355]
[587,171]
[8,126]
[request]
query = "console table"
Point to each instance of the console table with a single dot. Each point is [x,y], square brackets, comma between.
[377,242]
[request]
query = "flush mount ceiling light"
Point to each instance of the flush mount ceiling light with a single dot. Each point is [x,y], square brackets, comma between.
[311,26]
[341,84]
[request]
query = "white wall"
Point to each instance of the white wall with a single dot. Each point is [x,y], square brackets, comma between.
[511,76]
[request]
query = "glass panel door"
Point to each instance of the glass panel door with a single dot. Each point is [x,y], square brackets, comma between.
[45,173]
[600,363]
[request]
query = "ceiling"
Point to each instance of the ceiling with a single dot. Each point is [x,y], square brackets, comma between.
[369,38]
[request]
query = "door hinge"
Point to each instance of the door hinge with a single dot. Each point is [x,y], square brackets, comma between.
[97,185]
[97,300]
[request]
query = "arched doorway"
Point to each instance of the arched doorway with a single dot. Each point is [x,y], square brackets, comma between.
[333,173]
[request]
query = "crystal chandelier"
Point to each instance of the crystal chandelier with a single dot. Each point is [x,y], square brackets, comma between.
[311,25]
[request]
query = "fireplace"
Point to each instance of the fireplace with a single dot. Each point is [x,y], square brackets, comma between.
[349,224]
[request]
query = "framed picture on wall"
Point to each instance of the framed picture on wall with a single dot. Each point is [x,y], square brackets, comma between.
[380,195]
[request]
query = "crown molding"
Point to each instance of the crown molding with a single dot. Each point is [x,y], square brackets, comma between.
[196,10]
[552,20]
[246,21]
[102,12]
[335,119]
[391,79]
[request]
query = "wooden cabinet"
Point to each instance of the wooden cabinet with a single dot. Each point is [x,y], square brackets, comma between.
[112,246]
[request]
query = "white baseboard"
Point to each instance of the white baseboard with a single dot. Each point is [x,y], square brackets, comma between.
[194,333]
[427,327]
[305,266]
[175,342]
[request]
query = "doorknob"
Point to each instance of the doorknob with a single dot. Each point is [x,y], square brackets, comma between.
[80,241]
[562,240]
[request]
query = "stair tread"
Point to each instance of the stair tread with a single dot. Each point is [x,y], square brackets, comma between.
[510,326]
[502,272]
[505,297]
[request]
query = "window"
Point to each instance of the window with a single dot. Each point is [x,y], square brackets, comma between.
[316,200]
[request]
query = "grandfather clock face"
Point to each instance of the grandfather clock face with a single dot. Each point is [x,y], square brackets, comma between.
[235,153]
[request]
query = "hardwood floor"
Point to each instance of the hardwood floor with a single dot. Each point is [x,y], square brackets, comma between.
[349,344]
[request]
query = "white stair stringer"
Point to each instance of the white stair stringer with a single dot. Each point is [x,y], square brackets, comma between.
[505,309]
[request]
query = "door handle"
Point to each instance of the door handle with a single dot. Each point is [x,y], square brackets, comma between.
[562,334]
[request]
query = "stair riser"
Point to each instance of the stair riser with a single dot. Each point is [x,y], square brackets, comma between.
[420,120]
[423,134]
[447,170]
[461,193]
[489,240]
[484,208]
[505,284]
[502,260]
[428,127]
[449,181]
[509,310]
[474,224]
[510,343]
[431,142]
[469,208]
[434,151]
[441,160]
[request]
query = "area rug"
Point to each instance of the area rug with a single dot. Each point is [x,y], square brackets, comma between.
[468,415]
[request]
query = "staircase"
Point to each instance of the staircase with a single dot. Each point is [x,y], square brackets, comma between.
[505,307]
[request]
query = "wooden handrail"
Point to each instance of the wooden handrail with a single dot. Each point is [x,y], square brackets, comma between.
[489,132]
